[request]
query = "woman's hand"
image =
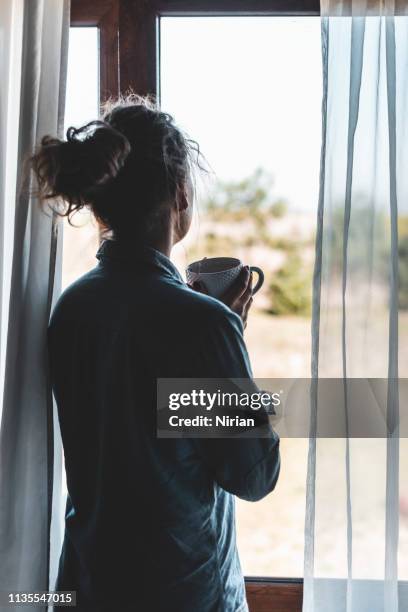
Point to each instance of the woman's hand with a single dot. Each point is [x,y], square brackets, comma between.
[238,297]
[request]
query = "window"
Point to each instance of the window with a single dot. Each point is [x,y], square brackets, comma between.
[137,51]
[255,111]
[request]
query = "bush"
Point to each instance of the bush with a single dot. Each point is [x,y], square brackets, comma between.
[290,291]
[279,209]
[403,273]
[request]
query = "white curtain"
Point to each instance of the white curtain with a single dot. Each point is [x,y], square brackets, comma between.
[33,36]
[356,553]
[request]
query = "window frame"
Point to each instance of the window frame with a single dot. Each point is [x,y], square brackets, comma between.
[129,50]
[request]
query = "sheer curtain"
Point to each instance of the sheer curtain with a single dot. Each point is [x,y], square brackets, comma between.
[356,552]
[33,36]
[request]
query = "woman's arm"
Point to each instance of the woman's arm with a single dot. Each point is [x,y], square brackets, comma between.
[245,466]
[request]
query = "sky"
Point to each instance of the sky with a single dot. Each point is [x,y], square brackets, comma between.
[248,89]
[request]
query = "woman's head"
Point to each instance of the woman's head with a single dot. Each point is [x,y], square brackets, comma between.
[133,169]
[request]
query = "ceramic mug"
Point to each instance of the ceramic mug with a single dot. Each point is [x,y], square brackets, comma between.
[218,274]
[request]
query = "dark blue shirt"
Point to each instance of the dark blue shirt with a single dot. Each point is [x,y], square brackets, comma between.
[150,522]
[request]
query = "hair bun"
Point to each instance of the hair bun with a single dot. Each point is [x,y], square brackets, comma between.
[92,156]
[74,169]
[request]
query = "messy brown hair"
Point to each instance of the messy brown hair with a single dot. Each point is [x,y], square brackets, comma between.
[125,168]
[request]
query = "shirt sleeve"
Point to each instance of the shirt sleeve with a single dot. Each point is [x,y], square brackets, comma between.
[245,466]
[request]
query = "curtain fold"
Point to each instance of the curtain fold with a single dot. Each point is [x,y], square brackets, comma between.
[392,473]
[33,37]
[355,559]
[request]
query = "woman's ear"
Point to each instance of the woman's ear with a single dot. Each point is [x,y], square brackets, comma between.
[182,200]
[183,209]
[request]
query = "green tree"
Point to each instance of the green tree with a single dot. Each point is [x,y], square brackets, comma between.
[290,291]
[251,198]
[250,195]
[279,209]
[403,261]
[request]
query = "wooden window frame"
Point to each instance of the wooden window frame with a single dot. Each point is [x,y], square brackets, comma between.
[129,49]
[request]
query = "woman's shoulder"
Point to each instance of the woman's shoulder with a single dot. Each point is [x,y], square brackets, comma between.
[70,303]
[94,297]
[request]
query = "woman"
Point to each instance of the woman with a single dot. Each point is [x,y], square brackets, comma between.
[149,522]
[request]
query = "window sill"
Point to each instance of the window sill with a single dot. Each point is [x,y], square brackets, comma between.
[277,594]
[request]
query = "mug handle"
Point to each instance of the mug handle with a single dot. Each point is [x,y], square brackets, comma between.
[260,279]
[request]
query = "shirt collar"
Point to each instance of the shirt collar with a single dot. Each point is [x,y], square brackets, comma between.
[128,253]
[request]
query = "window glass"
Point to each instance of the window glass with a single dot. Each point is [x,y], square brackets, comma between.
[82,105]
[249,90]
